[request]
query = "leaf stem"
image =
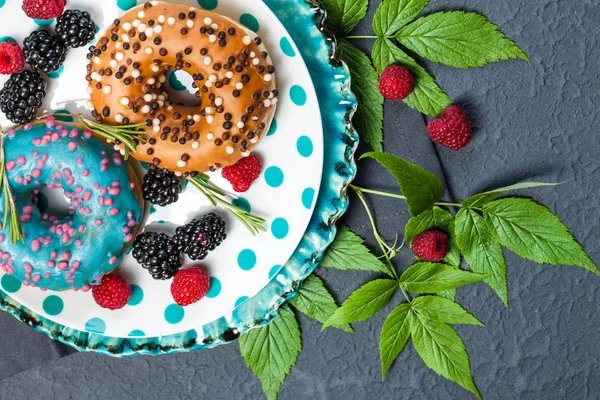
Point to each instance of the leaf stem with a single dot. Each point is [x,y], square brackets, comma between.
[364,37]
[399,196]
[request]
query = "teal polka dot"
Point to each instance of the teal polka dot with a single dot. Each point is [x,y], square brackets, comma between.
[208,4]
[247,259]
[57,73]
[274,271]
[10,284]
[308,195]
[215,288]
[137,295]
[272,128]
[65,118]
[2,3]
[274,176]
[7,38]
[250,21]
[136,332]
[44,22]
[304,146]
[241,300]
[280,228]
[286,47]
[174,314]
[175,83]
[242,203]
[95,325]
[126,4]
[152,209]
[53,305]
[298,95]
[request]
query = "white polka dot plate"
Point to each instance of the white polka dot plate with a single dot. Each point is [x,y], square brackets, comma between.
[250,275]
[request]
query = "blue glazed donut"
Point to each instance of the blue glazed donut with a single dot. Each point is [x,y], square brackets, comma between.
[78,250]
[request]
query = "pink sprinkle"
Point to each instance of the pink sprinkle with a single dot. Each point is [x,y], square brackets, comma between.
[103,191]
[76,264]
[87,195]
[71,231]
[126,229]
[27,209]
[105,160]
[66,256]
[72,145]
[112,260]
[70,181]
[25,218]
[74,133]
[99,222]
[103,168]
[40,163]
[69,275]
[108,201]
[20,179]
[70,280]
[102,152]
[129,237]
[78,243]
[78,189]
[113,211]
[27,126]
[63,265]
[50,121]
[87,134]
[132,185]
[59,127]
[58,174]
[65,238]
[115,191]
[44,156]
[131,223]
[47,275]
[10,165]
[36,153]
[118,160]
[35,245]
[21,160]
[50,263]
[27,267]
[55,137]
[79,160]
[59,230]
[96,186]
[36,173]
[37,141]
[67,172]
[53,254]
[101,201]
[36,277]
[64,133]
[85,172]
[27,276]
[2,238]
[44,141]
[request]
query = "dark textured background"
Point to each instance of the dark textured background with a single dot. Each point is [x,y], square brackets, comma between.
[536,121]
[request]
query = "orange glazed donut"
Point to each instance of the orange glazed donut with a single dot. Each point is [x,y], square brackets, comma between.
[230,67]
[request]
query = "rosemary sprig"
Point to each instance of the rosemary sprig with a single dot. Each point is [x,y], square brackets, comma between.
[253,223]
[10,208]
[124,134]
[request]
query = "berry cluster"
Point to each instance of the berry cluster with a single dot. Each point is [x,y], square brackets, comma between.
[44,51]
[161,186]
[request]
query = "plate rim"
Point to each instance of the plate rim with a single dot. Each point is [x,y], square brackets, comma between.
[261,308]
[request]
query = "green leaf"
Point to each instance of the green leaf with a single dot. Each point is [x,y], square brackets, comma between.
[394,335]
[424,277]
[421,188]
[435,218]
[427,97]
[343,15]
[442,350]
[481,199]
[368,119]
[348,252]
[314,300]
[449,294]
[533,232]
[482,252]
[458,39]
[271,351]
[364,302]
[443,310]
[392,15]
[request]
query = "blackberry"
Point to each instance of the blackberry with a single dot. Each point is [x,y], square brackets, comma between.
[44,52]
[157,253]
[200,236]
[75,28]
[161,186]
[22,96]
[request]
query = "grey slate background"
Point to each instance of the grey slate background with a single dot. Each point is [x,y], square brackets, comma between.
[536,121]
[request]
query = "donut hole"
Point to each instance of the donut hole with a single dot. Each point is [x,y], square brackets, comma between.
[180,90]
[53,203]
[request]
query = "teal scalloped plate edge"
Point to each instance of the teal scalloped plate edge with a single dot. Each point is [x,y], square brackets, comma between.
[305,21]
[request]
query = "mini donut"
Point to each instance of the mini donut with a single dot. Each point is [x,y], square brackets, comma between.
[230,67]
[104,205]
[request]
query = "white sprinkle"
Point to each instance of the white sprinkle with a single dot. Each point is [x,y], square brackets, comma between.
[154,3]
[158,29]
[253,140]
[120,56]
[154,96]
[274,101]
[219,101]
[146,109]
[268,78]
[181,163]
[135,73]
[192,8]
[245,154]
[255,118]
[107,89]
[240,124]
[113,63]
[267,103]
[196,117]
[229,150]
[170,108]
[208,110]
[171,21]
[141,14]
[212,78]
[95,76]
[125,38]
[210,136]
[162,79]
[155,68]
[89,90]
[96,60]
[89,103]
[119,118]
[207,60]
[149,50]
[210,119]
[207,21]
[136,23]
[214,26]
[255,61]
[151,81]
[239,86]
[188,116]
[178,173]
[127,26]
[124,101]
[156,121]
[118,45]
[212,38]
[161,19]
[189,23]
[156,128]
[142,27]
[149,31]
[229,74]
[252,54]
[195,144]
[161,97]
[246,40]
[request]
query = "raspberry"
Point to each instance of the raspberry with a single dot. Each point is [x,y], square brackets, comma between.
[396,83]
[431,245]
[12,58]
[452,129]
[113,292]
[44,9]
[189,286]
[243,173]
